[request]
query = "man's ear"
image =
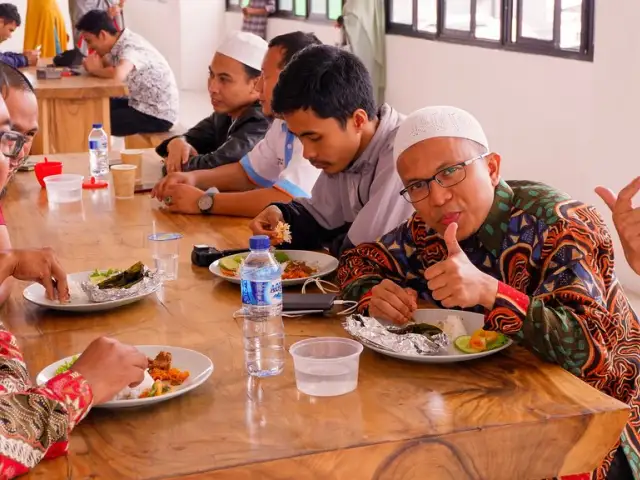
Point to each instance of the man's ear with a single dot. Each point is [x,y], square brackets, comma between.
[493,163]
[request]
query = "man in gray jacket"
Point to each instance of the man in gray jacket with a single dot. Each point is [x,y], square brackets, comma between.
[325,95]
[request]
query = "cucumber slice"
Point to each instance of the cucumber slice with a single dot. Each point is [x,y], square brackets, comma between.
[229,263]
[281,257]
[462,344]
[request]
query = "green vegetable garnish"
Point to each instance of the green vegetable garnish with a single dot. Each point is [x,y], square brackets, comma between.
[66,365]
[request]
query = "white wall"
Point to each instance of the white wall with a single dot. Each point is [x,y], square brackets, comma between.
[568,123]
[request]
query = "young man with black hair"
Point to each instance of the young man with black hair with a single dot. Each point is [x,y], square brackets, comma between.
[152,105]
[325,96]
[9,21]
[237,123]
[274,171]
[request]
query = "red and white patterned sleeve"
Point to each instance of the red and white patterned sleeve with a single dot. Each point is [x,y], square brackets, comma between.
[35,422]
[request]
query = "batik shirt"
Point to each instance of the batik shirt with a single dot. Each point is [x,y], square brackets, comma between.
[557,293]
[35,421]
[257,24]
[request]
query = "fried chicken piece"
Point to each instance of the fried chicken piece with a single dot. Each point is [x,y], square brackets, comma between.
[161,362]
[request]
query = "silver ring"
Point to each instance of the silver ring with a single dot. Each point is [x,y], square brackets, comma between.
[168,200]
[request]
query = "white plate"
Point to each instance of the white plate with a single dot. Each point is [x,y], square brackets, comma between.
[471,321]
[325,264]
[200,368]
[79,302]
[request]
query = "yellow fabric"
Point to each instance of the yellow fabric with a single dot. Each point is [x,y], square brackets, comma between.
[44,26]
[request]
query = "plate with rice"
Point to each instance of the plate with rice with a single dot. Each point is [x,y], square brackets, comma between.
[297,266]
[79,301]
[172,371]
[467,340]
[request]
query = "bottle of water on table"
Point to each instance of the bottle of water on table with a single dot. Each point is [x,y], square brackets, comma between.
[263,330]
[98,151]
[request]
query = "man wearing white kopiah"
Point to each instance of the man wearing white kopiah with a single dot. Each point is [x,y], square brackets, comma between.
[538,264]
[274,171]
[237,123]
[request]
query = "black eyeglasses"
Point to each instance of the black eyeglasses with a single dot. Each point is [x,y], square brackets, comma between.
[11,143]
[447,177]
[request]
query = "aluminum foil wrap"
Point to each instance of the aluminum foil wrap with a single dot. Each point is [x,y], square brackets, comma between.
[149,284]
[369,330]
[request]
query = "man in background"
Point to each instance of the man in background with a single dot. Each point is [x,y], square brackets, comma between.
[152,105]
[79,8]
[237,123]
[9,21]
[274,171]
[255,15]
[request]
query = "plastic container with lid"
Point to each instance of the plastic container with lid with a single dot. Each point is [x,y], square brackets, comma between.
[64,188]
[326,366]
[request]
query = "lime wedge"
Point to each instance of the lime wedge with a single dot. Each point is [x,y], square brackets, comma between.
[462,344]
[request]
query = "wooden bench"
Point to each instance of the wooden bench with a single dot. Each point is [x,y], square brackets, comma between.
[151,140]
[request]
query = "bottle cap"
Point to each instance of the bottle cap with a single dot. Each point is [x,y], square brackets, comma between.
[259,242]
[97,125]
[94,184]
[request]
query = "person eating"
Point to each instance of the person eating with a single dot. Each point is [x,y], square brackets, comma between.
[274,171]
[537,263]
[626,219]
[237,123]
[325,96]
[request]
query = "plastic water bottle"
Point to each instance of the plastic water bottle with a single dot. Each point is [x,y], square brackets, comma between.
[263,330]
[98,151]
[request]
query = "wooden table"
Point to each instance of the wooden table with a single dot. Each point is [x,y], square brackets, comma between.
[67,109]
[508,417]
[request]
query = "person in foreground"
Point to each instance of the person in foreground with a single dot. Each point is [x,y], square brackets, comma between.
[238,123]
[626,219]
[274,171]
[325,96]
[9,21]
[538,264]
[152,105]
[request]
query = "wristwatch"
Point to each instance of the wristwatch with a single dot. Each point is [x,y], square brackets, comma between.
[205,202]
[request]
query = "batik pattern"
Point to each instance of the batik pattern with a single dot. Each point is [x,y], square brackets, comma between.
[35,422]
[558,294]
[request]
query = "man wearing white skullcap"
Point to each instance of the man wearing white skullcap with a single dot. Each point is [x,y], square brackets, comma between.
[237,123]
[536,263]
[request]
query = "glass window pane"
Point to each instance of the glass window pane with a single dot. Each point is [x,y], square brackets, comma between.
[335,9]
[488,19]
[301,8]
[457,15]
[234,3]
[537,19]
[244,3]
[319,7]
[571,25]
[286,5]
[402,12]
[428,16]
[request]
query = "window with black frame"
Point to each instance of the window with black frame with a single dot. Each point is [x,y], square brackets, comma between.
[322,10]
[550,27]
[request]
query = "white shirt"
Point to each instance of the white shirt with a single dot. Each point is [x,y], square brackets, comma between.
[277,161]
[152,85]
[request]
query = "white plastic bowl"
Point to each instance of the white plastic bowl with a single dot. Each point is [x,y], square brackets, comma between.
[326,366]
[64,188]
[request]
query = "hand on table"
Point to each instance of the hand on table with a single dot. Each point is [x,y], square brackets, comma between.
[43,267]
[265,223]
[180,198]
[92,63]
[390,301]
[32,57]
[109,366]
[179,153]
[626,219]
[160,190]
[456,282]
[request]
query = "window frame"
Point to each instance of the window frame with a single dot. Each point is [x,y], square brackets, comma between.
[282,13]
[507,7]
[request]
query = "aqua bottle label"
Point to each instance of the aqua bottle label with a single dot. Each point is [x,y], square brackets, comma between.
[261,293]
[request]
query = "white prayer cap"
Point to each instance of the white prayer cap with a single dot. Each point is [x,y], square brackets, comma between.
[435,122]
[244,47]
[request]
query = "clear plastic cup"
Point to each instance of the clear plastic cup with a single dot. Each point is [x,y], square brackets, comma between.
[64,188]
[326,366]
[165,250]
